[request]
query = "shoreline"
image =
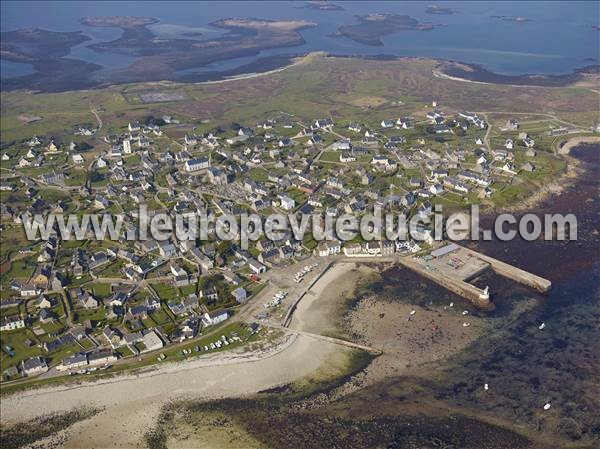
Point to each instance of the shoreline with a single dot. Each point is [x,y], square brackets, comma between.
[296,60]
[437,72]
[536,80]
[218,359]
[558,186]
[314,312]
[574,142]
[135,401]
[238,73]
[477,74]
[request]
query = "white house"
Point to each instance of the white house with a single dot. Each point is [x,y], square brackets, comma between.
[152,341]
[287,203]
[190,139]
[127,146]
[101,163]
[72,362]
[323,123]
[355,127]
[23,163]
[341,145]
[405,123]
[240,295]
[116,151]
[197,164]
[210,319]
[12,323]
[509,167]
[329,248]
[436,189]
[28,291]
[347,157]
[256,266]
[177,270]
[34,365]
[101,358]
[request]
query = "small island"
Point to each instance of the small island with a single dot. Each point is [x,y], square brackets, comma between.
[441,10]
[31,44]
[47,51]
[137,39]
[322,5]
[118,21]
[518,19]
[372,27]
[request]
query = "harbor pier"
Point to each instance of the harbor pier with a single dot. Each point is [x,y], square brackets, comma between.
[452,266]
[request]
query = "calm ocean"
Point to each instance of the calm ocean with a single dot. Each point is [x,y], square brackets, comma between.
[558,38]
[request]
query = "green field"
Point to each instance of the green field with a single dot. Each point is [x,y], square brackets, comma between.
[320,87]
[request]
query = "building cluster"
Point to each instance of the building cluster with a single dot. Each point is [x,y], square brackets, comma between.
[114,298]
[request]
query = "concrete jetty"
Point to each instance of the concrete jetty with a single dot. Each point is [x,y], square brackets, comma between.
[524,277]
[479,297]
[452,266]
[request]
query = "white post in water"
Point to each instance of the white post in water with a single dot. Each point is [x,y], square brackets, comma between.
[486,293]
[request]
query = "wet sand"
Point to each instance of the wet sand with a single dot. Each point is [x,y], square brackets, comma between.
[432,334]
[336,308]
[319,311]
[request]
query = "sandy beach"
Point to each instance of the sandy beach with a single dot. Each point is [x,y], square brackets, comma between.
[410,336]
[296,61]
[318,310]
[132,403]
[439,74]
[576,141]
[432,333]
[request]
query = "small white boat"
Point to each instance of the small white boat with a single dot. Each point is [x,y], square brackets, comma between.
[412,312]
[486,387]
[466,324]
[451,304]
[547,406]
[465,312]
[541,326]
